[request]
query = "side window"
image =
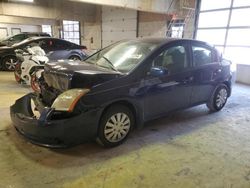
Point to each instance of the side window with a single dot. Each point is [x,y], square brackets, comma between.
[40,43]
[31,35]
[18,37]
[33,43]
[61,45]
[201,55]
[174,59]
[43,44]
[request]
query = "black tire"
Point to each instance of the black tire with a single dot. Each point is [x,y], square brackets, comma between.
[218,98]
[120,129]
[9,63]
[74,57]
[1,66]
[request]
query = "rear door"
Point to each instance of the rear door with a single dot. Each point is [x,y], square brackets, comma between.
[58,49]
[173,90]
[206,70]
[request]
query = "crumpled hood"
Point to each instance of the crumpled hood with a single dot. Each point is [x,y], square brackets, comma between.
[66,74]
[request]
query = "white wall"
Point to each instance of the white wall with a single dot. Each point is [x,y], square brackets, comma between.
[243,74]
[159,6]
[118,24]
[152,25]
[23,28]
[48,12]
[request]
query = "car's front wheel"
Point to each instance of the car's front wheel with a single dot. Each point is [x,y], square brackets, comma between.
[115,126]
[218,99]
[9,63]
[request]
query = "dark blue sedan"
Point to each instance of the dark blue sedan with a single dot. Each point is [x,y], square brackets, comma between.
[119,88]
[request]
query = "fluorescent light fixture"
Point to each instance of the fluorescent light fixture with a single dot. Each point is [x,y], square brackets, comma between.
[24,1]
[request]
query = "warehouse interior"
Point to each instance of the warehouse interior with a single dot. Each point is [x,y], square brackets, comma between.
[188,148]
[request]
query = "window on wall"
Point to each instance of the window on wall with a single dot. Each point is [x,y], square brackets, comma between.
[214,36]
[211,4]
[71,31]
[47,29]
[225,25]
[213,19]
[176,29]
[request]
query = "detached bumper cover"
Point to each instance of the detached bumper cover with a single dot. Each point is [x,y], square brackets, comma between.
[53,133]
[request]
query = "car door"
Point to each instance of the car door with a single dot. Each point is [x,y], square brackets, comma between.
[170,91]
[44,44]
[58,49]
[206,70]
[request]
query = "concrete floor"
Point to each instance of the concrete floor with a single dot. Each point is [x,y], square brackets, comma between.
[192,148]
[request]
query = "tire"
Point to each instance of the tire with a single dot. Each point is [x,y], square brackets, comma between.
[115,126]
[74,57]
[1,66]
[9,63]
[218,99]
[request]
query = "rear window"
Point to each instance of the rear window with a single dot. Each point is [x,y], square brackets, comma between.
[201,55]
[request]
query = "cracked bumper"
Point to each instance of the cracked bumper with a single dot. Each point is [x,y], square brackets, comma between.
[52,133]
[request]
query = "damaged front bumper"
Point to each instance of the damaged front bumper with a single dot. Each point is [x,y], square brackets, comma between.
[55,133]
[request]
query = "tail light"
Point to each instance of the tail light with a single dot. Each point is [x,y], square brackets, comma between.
[84,50]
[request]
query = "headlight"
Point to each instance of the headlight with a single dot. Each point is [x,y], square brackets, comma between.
[68,99]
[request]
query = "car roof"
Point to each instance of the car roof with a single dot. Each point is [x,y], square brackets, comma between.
[33,33]
[163,41]
[167,40]
[35,38]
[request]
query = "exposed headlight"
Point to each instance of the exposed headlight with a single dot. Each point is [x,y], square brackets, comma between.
[68,99]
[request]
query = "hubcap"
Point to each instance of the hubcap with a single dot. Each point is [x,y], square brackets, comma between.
[221,98]
[11,64]
[117,127]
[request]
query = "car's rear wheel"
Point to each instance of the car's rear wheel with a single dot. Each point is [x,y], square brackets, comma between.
[9,63]
[75,57]
[115,126]
[219,98]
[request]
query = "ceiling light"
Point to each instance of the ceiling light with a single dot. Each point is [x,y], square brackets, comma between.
[25,1]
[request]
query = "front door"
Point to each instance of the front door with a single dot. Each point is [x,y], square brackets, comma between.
[170,91]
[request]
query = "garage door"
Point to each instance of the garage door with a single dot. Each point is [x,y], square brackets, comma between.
[117,24]
[3,33]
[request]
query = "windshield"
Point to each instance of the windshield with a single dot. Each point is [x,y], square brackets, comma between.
[122,56]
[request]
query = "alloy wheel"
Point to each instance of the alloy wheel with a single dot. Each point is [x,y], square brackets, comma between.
[10,63]
[221,98]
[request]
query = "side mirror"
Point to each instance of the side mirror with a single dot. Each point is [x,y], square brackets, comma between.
[158,71]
